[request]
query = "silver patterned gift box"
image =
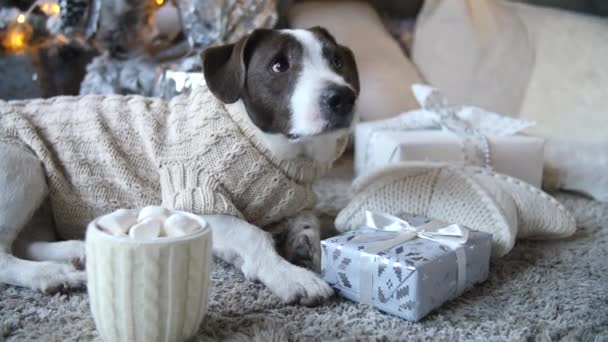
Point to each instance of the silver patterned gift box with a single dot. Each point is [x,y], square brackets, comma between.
[419,271]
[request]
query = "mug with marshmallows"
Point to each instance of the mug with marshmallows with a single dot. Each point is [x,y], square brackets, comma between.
[148,274]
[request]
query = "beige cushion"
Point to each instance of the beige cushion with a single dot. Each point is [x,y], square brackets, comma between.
[539,64]
[386,74]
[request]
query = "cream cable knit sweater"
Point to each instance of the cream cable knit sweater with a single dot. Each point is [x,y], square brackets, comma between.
[101,153]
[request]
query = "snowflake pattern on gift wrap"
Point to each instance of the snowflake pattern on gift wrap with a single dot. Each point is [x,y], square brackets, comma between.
[389,284]
[344,264]
[336,254]
[407,306]
[398,272]
[381,269]
[403,292]
[344,279]
[381,296]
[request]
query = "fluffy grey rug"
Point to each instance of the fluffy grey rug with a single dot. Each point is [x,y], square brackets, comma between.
[541,291]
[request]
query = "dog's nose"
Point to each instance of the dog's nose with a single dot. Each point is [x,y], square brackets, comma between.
[339,100]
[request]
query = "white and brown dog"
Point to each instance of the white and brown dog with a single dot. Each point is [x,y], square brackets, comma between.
[298,87]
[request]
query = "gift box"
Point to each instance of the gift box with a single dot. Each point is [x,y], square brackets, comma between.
[406,266]
[455,134]
[518,156]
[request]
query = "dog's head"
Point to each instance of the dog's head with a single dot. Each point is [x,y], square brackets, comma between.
[299,83]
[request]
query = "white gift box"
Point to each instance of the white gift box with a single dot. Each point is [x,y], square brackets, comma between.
[517,155]
[455,134]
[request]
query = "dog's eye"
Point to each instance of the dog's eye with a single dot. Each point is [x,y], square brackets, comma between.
[337,62]
[280,65]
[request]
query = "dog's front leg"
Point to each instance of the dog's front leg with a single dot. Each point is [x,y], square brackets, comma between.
[22,190]
[38,241]
[253,250]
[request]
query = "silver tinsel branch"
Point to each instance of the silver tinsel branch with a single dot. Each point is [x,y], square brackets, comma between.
[106,75]
[220,21]
[204,23]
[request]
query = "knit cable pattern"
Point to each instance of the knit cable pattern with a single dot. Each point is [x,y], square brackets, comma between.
[102,153]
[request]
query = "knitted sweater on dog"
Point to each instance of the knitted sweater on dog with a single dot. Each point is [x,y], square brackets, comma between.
[101,153]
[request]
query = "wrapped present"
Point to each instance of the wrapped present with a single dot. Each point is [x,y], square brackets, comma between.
[406,266]
[456,134]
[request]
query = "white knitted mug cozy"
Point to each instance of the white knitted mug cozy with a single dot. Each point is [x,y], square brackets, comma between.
[155,290]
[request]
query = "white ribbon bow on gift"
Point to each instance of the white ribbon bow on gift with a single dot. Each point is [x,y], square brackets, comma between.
[401,231]
[396,231]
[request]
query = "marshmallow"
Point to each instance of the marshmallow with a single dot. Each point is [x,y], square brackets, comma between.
[146,230]
[148,223]
[118,222]
[180,225]
[153,212]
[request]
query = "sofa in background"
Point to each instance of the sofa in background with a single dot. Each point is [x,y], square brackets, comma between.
[536,63]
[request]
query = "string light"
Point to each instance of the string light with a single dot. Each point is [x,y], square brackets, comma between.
[50,8]
[160,2]
[16,37]
[18,34]
[62,39]
[15,40]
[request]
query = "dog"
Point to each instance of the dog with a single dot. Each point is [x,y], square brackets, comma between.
[298,88]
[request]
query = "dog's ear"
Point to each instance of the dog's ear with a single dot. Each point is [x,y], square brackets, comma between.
[351,71]
[225,67]
[322,32]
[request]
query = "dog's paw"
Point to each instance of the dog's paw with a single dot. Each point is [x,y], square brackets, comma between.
[304,250]
[302,246]
[78,263]
[53,277]
[77,253]
[296,285]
